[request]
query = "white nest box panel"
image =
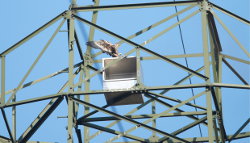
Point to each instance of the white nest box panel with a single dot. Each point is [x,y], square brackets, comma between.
[121,75]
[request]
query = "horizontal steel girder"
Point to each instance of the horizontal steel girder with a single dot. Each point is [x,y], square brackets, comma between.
[201,139]
[144,116]
[134,90]
[135,6]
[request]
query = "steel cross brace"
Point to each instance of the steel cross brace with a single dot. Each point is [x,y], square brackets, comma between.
[184,128]
[150,27]
[234,71]
[184,102]
[239,130]
[163,92]
[162,113]
[231,34]
[138,124]
[230,13]
[35,62]
[129,113]
[33,34]
[42,79]
[52,105]
[235,59]
[146,42]
[139,46]
[7,125]
[140,106]
[176,100]
[168,105]
[113,131]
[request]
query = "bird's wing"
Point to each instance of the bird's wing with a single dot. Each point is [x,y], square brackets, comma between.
[105,46]
[99,45]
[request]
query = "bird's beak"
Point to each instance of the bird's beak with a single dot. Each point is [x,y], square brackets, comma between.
[117,45]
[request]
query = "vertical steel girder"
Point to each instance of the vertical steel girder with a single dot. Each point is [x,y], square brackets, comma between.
[219,116]
[215,45]
[2,100]
[216,60]
[76,106]
[207,69]
[71,78]
[86,71]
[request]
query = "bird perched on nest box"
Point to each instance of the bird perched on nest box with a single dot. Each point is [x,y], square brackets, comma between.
[105,46]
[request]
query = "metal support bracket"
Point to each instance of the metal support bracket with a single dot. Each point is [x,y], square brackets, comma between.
[88,60]
[205,5]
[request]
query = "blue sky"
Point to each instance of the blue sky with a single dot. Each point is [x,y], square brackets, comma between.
[19,18]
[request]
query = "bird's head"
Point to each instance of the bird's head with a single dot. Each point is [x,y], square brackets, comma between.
[116,46]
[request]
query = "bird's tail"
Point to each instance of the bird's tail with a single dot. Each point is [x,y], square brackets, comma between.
[89,43]
[92,44]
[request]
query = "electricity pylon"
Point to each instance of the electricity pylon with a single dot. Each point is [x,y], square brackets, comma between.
[208,84]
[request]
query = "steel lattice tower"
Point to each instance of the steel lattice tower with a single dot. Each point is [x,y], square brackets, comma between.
[146,122]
